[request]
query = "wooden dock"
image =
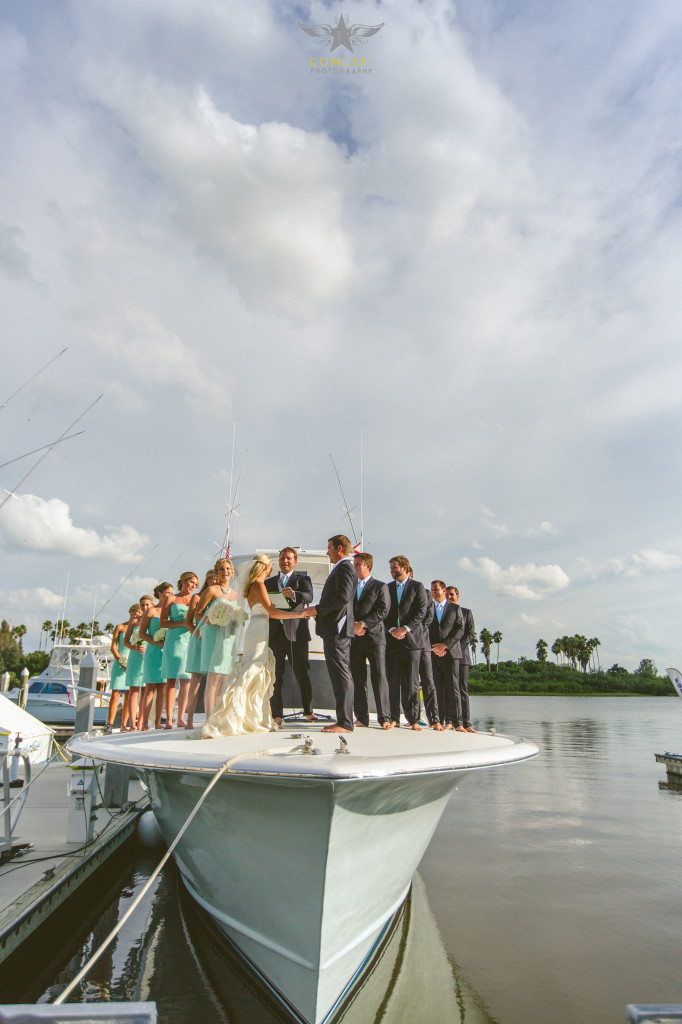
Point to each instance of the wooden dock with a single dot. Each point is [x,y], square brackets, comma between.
[36,884]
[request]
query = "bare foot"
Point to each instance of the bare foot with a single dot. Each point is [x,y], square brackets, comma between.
[388,725]
[437,726]
[460,728]
[448,725]
[312,718]
[181,725]
[277,721]
[362,725]
[335,728]
[416,727]
[470,728]
[168,726]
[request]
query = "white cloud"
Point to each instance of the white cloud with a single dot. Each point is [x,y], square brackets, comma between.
[525,582]
[499,529]
[36,524]
[656,561]
[644,562]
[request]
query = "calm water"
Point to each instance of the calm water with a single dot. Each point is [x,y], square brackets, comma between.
[551,892]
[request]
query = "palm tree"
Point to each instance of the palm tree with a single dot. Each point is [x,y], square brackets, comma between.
[595,643]
[557,649]
[497,639]
[541,648]
[486,638]
[45,628]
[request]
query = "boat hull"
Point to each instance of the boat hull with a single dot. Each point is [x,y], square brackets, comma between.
[343,852]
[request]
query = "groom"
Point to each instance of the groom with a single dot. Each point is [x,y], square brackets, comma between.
[289,638]
[335,624]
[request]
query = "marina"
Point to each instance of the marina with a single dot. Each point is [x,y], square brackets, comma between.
[546,899]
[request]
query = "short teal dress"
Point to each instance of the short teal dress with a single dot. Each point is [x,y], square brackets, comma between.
[134,668]
[218,642]
[175,646]
[118,673]
[153,656]
[193,663]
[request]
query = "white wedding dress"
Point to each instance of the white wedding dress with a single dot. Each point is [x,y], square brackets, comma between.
[245,702]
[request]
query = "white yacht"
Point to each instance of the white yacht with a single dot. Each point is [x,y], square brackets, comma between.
[341,821]
[53,695]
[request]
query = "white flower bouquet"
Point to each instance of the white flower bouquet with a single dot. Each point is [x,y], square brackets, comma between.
[160,635]
[224,614]
[135,637]
[123,660]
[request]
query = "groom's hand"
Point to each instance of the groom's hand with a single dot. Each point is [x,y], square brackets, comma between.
[289,593]
[310,613]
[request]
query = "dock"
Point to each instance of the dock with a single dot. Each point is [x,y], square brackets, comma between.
[673,767]
[36,883]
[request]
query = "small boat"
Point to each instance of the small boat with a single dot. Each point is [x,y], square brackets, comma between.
[53,695]
[305,844]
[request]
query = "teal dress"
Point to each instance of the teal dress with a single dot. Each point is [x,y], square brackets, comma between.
[134,668]
[193,663]
[175,646]
[118,673]
[153,656]
[218,642]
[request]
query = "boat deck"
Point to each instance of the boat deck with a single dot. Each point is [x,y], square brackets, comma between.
[298,749]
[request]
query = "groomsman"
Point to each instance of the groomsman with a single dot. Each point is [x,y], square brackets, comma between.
[289,638]
[446,631]
[336,626]
[404,638]
[370,608]
[466,643]
[426,682]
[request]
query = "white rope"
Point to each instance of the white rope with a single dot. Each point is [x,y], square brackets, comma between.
[145,888]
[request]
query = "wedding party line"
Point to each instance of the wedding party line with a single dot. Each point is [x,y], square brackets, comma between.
[413,642]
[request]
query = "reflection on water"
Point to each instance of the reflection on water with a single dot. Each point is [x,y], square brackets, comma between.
[170,952]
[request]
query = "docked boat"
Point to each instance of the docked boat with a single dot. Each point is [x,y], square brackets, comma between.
[304,843]
[53,695]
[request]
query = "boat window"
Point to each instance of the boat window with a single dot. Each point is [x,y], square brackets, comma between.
[35,688]
[56,688]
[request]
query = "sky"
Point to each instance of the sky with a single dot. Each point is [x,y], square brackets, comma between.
[453,271]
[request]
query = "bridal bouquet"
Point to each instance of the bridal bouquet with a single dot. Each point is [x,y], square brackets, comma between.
[222,613]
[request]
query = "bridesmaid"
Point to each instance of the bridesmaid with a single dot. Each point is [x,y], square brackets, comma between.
[117,683]
[177,638]
[217,642]
[135,612]
[135,664]
[153,656]
[189,688]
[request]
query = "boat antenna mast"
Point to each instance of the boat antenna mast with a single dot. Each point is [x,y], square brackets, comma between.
[347,510]
[232,505]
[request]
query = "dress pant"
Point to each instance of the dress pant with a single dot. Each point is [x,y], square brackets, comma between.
[463,679]
[446,677]
[365,649]
[297,653]
[337,656]
[402,668]
[428,686]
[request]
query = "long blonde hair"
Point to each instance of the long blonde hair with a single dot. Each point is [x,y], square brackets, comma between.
[261,562]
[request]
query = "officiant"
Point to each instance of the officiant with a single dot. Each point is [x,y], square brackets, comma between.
[290,638]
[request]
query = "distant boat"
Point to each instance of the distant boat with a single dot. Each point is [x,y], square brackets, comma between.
[53,695]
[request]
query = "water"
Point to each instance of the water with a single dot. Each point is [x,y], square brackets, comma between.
[551,892]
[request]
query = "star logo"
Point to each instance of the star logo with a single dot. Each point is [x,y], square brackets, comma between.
[341,33]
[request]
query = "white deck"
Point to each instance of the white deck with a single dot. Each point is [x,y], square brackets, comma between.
[371,753]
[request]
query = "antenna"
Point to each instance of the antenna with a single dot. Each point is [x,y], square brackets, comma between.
[42,448]
[26,383]
[36,464]
[362,535]
[347,512]
[232,505]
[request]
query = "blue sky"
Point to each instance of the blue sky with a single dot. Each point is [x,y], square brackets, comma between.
[471,254]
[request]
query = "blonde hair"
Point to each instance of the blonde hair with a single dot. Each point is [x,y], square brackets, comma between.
[187,576]
[146,597]
[223,562]
[261,562]
[134,608]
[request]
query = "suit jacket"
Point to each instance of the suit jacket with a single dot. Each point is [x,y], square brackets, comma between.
[469,637]
[428,618]
[372,609]
[294,629]
[336,600]
[411,614]
[449,630]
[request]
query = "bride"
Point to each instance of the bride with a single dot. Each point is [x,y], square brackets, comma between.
[245,703]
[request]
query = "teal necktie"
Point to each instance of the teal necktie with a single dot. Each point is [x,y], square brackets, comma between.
[439,612]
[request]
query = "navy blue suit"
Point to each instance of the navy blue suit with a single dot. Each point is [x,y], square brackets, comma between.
[336,602]
[372,609]
[402,656]
[289,639]
[448,631]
